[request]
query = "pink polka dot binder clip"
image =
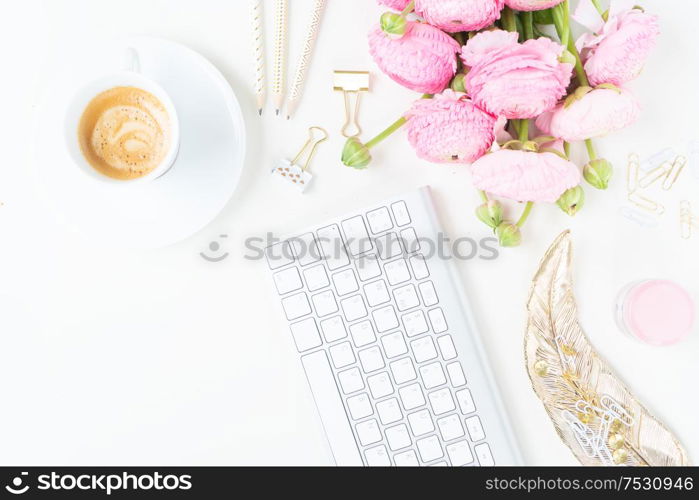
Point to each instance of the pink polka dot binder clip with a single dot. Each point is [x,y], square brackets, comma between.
[293,172]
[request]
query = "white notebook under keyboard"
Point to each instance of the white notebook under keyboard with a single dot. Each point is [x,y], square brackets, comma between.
[387,341]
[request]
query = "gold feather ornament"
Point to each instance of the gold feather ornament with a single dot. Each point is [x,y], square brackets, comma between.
[593,412]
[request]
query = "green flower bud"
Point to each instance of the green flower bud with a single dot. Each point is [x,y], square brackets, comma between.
[508,234]
[394,25]
[490,213]
[572,201]
[355,154]
[598,172]
[457,84]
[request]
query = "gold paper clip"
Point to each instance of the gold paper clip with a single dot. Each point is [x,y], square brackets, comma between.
[656,174]
[672,176]
[632,168]
[351,83]
[646,204]
[292,171]
[687,220]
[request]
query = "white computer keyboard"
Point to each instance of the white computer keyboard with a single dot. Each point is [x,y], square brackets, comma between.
[386,342]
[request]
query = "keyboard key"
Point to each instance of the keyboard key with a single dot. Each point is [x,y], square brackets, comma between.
[432,375]
[306,334]
[362,333]
[316,278]
[429,449]
[342,355]
[376,293]
[398,437]
[420,422]
[331,409]
[400,213]
[411,396]
[377,457]
[459,453]
[423,349]
[403,370]
[332,247]
[446,347]
[368,267]
[456,374]
[385,319]
[351,380]
[305,249]
[388,246]
[450,427]
[466,404]
[368,432]
[440,464]
[406,459]
[359,406]
[371,359]
[475,428]
[415,323]
[406,297]
[389,411]
[325,303]
[439,323]
[394,345]
[356,235]
[379,220]
[345,282]
[279,255]
[428,293]
[296,306]
[485,457]
[397,272]
[410,240]
[380,385]
[441,401]
[288,280]
[333,329]
[354,308]
[419,267]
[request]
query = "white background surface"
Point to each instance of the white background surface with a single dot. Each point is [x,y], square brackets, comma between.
[158,357]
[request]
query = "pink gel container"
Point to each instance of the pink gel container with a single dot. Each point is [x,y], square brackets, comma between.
[656,312]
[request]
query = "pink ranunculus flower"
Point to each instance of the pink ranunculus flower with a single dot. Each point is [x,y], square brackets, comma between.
[515,80]
[596,114]
[449,128]
[459,15]
[424,59]
[398,5]
[529,5]
[525,175]
[618,52]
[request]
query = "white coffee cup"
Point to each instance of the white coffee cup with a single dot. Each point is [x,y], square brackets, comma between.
[129,77]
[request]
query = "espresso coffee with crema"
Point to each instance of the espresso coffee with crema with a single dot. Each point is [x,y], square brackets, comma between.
[124,132]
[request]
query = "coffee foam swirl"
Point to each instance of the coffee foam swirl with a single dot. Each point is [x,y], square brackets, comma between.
[125,132]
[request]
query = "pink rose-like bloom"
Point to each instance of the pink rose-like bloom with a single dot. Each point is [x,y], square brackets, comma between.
[394,4]
[424,59]
[618,53]
[515,80]
[596,114]
[459,15]
[449,128]
[524,175]
[529,5]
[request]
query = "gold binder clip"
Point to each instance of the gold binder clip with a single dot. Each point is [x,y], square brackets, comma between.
[351,84]
[292,171]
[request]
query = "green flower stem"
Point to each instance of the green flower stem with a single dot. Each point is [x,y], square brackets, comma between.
[566,149]
[598,7]
[525,215]
[484,196]
[528,24]
[561,19]
[391,128]
[508,19]
[590,149]
[523,130]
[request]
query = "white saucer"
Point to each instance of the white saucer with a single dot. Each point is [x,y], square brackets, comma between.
[185,199]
